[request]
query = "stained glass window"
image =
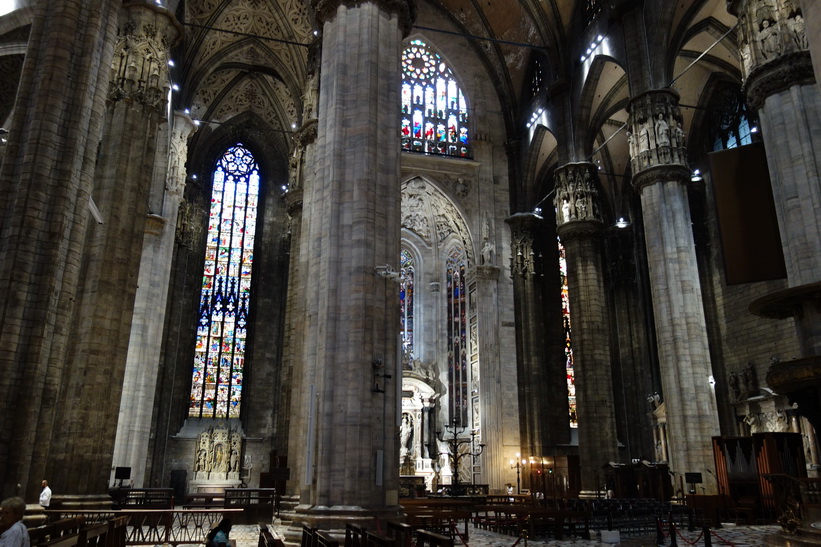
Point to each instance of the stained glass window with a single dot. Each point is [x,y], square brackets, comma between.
[591,10]
[434,111]
[732,124]
[406,296]
[219,354]
[457,338]
[537,79]
[568,346]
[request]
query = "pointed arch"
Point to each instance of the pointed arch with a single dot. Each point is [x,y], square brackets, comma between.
[435,116]
[225,296]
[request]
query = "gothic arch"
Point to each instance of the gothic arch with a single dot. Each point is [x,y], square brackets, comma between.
[433,217]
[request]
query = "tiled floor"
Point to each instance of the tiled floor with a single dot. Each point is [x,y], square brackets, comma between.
[737,536]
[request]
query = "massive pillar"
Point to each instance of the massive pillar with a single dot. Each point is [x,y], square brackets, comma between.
[350,377]
[46,181]
[780,84]
[142,365]
[660,176]
[90,397]
[293,416]
[579,226]
[488,377]
[542,377]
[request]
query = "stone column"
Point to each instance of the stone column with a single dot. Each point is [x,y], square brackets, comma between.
[496,409]
[660,176]
[293,418]
[351,226]
[137,103]
[543,407]
[579,226]
[780,84]
[46,180]
[142,364]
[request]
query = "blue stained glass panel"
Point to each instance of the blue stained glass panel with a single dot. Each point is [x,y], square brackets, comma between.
[219,352]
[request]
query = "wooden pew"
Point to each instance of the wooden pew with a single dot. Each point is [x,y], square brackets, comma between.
[424,538]
[401,531]
[324,539]
[354,535]
[59,528]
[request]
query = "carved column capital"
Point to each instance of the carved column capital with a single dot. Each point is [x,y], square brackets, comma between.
[660,173]
[182,129]
[293,201]
[307,133]
[526,253]
[656,137]
[577,194]
[405,9]
[139,70]
[773,45]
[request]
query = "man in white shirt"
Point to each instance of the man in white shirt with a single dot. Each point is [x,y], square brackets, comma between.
[11,520]
[45,495]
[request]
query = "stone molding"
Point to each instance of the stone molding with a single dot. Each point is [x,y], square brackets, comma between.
[154,224]
[660,173]
[325,10]
[766,80]
[489,273]
[307,133]
[293,201]
[577,196]
[579,229]
[140,64]
[657,135]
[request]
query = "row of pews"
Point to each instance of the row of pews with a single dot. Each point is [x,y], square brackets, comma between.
[74,532]
[396,534]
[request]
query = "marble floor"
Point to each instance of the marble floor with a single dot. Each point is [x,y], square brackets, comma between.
[737,536]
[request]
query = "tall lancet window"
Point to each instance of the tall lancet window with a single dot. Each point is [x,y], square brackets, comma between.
[406,294]
[568,346]
[457,338]
[434,111]
[219,355]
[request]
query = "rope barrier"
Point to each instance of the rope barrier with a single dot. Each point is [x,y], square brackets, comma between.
[724,541]
[673,527]
[455,529]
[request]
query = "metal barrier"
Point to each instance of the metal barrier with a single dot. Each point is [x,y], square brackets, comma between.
[157,526]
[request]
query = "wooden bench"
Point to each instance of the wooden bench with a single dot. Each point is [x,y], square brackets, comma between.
[57,529]
[66,534]
[324,539]
[431,539]
[267,539]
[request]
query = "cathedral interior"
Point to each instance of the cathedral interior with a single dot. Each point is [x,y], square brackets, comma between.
[336,245]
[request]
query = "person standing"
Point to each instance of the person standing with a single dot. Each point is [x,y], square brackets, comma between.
[14,532]
[45,495]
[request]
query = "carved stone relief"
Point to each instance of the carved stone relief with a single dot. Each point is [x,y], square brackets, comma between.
[577,197]
[219,455]
[429,214]
[657,135]
[139,70]
[769,29]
